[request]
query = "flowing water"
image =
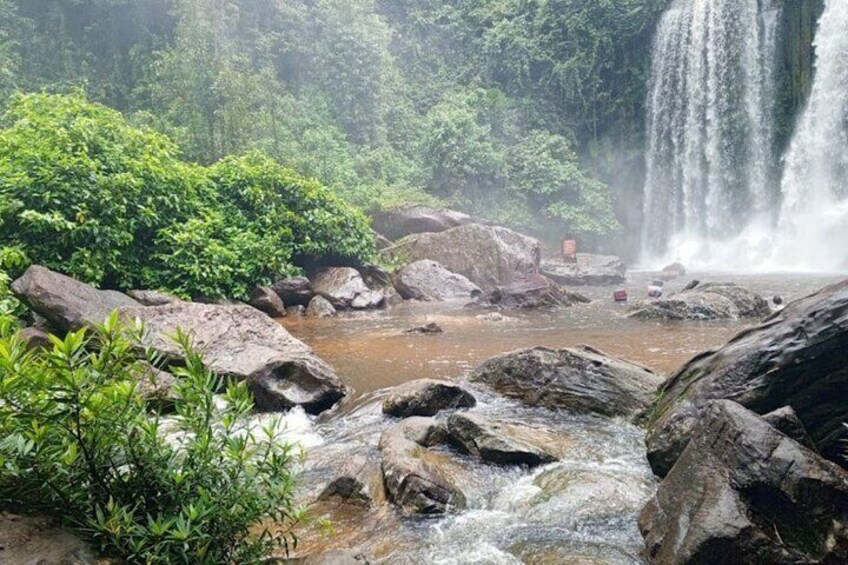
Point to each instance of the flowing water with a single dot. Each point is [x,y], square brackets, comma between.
[710,128]
[581,509]
[707,201]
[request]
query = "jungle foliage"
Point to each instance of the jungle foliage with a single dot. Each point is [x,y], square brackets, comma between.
[473,104]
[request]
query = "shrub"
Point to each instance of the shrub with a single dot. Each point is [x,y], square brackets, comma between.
[83,192]
[79,444]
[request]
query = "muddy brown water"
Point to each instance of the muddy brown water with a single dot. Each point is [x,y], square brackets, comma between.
[580,510]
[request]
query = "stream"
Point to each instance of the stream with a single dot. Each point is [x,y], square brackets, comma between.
[579,510]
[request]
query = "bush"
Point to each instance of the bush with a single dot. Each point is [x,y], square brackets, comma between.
[83,192]
[79,444]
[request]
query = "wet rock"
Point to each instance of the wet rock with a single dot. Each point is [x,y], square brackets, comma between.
[786,421]
[296,311]
[359,481]
[743,493]
[241,342]
[28,540]
[320,307]
[429,329]
[152,297]
[345,289]
[488,256]
[294,291]
[429,281]
[589,270]
[691,284]
[35,338]
[579,379]
[156,386]
[376,277]
[265,299]
[401,222]
[797,357]
[66,303]
[708,301]
[529,292]
[426,397]
[673,271]
[413,484]
[490,442]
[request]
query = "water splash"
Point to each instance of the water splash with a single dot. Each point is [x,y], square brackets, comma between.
[812,219]
[710,131]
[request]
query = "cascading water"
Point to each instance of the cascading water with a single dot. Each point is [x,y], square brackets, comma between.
[710,128]
[708,201]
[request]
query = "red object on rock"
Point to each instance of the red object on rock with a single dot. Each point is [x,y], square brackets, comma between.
[620,295]
[569,250]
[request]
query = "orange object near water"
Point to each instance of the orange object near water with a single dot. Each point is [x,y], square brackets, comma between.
[569,250]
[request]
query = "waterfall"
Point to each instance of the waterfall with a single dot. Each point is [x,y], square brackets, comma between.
[710,130]
[812,230]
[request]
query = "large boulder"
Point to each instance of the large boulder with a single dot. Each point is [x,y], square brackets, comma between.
[486,255]
[492,442]
[66,303]
[588,270]
[294,291]
[400,222]
[528,292]
[265,299]
[426,397]
[428,280]
[345,289]
[744,493]
[797,357]
[320,307]
[415,485]
[707,301]
[38,541]
[241,342]
[579,379]
[359,481]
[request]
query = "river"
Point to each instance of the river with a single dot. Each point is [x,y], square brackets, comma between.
[581,509]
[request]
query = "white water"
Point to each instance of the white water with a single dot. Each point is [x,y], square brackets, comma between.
[811,224]
[710,128]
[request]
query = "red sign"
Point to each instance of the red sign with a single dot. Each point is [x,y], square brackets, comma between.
[569,249]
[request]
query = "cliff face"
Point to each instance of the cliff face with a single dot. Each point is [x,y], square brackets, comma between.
[796,63]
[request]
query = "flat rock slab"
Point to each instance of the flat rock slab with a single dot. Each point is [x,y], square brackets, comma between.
[492,443]
[797,357]
[588,270]
[581,379]
[707,301]
[744,493]
[529,292]
[429,281]
[418,487]
[488,256]
[241,342]
[426,397]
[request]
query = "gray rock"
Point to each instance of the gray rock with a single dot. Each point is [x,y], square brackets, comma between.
[359,481]
[490,442]
[265,299]
[320,307]
[429,281]
[707,301]
[488,256]
[376,277]
[296,311]
[345,289]
[35,338]
[797,357]
[787,422]
[152,297]
[26,540]
[579,379]
[426,397]
[407,220]
[589,270]
[294,291]
[673,271]
[241,342]
[429,329]
[412,483]
[156,386]
[529,292]
[66,303]
[743,493]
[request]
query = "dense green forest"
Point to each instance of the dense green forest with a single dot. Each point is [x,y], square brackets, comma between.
[523,111]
